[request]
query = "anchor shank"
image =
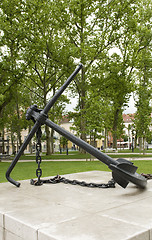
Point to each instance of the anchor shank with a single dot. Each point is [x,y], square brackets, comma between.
[123,171]
[79,142]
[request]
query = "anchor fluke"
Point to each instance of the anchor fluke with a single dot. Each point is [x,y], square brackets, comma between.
[124,172]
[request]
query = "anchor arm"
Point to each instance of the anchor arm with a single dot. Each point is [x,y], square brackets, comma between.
[20,152]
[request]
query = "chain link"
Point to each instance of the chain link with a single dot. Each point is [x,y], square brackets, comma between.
[38,182]
[59,179]
[148,175]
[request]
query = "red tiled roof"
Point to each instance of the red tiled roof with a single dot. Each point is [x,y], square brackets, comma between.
[64,119]
[128,117]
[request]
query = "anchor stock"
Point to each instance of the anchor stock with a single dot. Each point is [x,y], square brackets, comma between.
[38,123]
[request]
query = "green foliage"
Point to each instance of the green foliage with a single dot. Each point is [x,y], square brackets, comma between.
[92,29]
[42,41]
[63,142]
[144,91]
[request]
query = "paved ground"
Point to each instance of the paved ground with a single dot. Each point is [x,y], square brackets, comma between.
[67,212]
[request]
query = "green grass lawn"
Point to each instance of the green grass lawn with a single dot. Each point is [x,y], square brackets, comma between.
[26,170]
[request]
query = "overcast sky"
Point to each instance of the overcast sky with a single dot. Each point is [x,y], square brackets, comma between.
[130,109]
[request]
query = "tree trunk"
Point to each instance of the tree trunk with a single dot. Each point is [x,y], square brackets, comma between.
[12,143]
[52,131]
[140,144]
[82,127]
[83,83]
[52,141]
[105,139]
[135,141]
[30,143]
[3,144]
[18,124]
[48,149]
[115,126]
[82,107]
[144,146]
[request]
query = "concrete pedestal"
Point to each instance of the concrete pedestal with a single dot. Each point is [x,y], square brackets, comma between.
[67,212]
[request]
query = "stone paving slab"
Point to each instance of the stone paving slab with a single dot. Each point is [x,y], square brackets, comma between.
[67,212]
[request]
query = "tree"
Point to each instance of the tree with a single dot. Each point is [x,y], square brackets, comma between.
[11,38]
[63,142]
[13,118]
[144,91]
[91,28]
[143,68]
[114,76]
[49,59]
[43,38]
[34,51]
[112,83]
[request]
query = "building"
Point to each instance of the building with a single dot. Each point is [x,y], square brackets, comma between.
[68,124]
[128,132]
[6,146]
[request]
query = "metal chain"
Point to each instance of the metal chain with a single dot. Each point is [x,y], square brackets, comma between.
[38,182]
[148,176]
[59,179]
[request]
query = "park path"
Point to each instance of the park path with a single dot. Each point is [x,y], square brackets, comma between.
[80,160]
[132,158]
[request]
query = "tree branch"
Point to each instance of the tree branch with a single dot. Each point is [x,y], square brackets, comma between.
[35,82]
[32,91]
[55,83]
[39,75]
